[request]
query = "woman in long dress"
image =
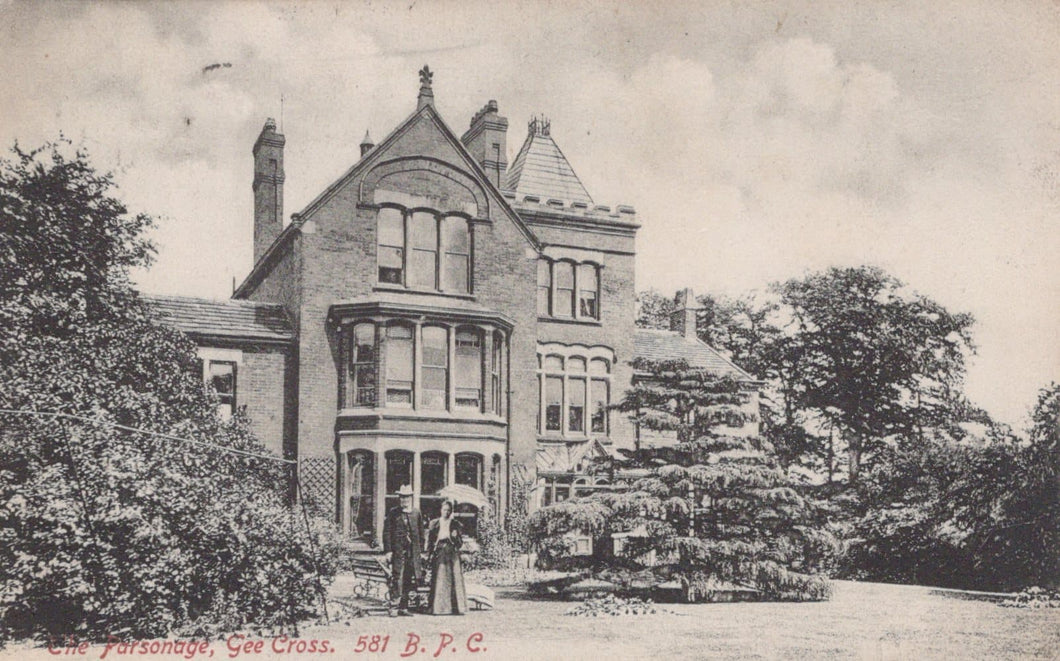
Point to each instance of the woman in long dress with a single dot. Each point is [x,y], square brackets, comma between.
[448,596]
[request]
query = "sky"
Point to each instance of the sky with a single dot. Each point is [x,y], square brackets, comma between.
[758,141]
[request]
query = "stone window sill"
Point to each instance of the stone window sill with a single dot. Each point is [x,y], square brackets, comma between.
[424,292]
[569,320]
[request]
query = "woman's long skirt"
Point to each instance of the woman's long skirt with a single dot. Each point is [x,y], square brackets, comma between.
[447,581]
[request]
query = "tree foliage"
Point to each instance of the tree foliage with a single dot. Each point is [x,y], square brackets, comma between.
[712,508]
[105,531]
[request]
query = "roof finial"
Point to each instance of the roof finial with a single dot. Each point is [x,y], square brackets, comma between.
[426,97]
[540,125]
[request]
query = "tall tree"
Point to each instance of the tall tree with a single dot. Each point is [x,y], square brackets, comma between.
[876,360]
[105,531]
[713,508]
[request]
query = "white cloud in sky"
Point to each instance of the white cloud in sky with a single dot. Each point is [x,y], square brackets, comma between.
[757,140]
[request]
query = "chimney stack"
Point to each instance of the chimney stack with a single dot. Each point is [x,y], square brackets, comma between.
[683,318]
[487,141]
[268,188]
[366,144]
[426,96]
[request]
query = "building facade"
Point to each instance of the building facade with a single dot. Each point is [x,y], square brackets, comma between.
[436,316]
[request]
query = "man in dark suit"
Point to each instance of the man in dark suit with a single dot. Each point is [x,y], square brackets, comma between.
[403,543]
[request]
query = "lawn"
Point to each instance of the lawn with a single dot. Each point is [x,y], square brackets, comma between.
[863,620]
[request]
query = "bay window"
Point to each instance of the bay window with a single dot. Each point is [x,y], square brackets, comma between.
[435,366]
[424,249]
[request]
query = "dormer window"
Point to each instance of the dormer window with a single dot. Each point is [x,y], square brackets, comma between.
[424,249]
[568,290]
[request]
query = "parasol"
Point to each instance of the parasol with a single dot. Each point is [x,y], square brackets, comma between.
[462,493]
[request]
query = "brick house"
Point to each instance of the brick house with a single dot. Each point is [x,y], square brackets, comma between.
[434,317]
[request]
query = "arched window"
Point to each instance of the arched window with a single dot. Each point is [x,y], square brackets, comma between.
[456,243]
[360,468]
[423,249]
[575,394]
[468,369]
[435,368]
[362,366]
[469,473]
[399,365]
[434,469]
[398,474]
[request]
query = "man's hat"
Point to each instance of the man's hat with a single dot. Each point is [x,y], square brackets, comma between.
[405,490]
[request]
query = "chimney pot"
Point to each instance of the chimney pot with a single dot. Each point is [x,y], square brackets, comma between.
[487,142]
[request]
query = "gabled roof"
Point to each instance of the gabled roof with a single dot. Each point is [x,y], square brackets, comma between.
[228,319]
[652,344]
[540,169]
[428,112]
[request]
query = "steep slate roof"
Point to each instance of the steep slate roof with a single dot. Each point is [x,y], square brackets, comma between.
[541,169]
[652,344]
[234,319]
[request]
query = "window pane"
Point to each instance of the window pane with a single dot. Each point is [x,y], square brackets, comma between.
[564,300]
[398,471]
[599,366]
[434,466]
[421,269]
[454,276]
[391,228]
[455,234]
[553,403]
[553,364]
[576,364]
[435,365]
[363,343]
[223,377]
[587,304]
[390,264]
[564,274]
[468,470]
[468,369]
[576,407]
[600,398]
[423,231]
[399,365]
